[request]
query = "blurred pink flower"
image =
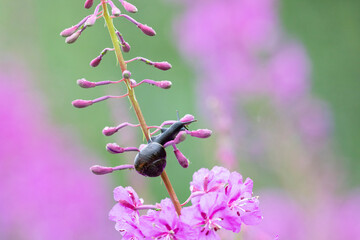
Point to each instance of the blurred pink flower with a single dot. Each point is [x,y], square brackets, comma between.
[47,190]
[289,73]
[347,218]
[244,58]
[282,216]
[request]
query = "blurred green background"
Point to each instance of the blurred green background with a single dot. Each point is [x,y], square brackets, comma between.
[330,31]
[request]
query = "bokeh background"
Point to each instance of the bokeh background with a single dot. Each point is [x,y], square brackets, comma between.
[277,81]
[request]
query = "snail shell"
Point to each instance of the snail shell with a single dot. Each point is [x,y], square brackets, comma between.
[151,160]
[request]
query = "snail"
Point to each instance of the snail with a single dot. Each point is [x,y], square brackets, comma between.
[151,160]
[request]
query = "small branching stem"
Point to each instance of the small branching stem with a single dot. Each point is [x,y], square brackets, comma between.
[134,102]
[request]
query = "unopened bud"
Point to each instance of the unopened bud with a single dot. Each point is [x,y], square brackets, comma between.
[73,37]
[100,170]
[91,20]
[108,131]
[88,3]
[201,133]
[114,148]
[164,84]
[162,65]
[69,31]
[183,161]
[187,118]
[85,84]
[96,61]
[126,74]
[180,137]
[115,11]
[147,30]
[79,103]
[133,82]
[125,47]
[129,7]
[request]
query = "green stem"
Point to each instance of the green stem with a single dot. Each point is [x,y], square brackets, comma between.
[134,102]
[122,63]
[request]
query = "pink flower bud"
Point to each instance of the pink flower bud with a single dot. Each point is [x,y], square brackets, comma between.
[100,170]
[147,30]
[72,38]
[108,131]
[114,148]
[85,84]
[164,84]
[133,82]
[115,11]
[187,118]
[162,65]
[183,161]
[201,133]
[69,31]
[125,47]
[96,61]
[180,137]
[126,74]
[91,20]
[88,3]
[79,103]
[129,7]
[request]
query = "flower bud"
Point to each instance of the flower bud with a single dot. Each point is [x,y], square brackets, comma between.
[73,37]
[126,74]
[187,118]
[183,161]
[88,3]
[164,84]
[114,148]
[115,11]
[100,170]
[79,103]
[180,137]
[96,61]
[129,7]
[69,31]
[85,84]
[201,133]
[162,65]
[91,20]
[108,131]
[125,47]
[133,82]
[147,30]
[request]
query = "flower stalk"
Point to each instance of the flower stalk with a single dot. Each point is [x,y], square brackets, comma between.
[134,102]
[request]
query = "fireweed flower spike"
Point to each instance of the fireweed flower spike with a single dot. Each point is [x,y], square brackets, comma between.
[219,198]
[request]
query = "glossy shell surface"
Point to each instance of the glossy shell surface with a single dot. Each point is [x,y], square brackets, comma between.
[151,160]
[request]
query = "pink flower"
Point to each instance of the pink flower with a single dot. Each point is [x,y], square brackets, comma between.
[209,181]
[210,215]
[125,213]
[241,201]
[128,201]
[166,224]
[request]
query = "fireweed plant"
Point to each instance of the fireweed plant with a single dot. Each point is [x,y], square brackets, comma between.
[219,198]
